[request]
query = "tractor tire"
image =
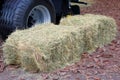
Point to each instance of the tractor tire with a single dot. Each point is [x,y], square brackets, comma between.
[75,9]
[22,14]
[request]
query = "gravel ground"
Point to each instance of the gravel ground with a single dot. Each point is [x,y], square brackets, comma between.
[103,64]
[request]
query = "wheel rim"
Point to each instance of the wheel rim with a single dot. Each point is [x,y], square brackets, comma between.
[38,15]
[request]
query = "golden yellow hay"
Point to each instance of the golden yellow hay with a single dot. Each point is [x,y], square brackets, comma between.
[48,47]
[44,47]
[102,29]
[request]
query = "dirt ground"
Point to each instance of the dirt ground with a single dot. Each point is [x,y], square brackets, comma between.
[103,64]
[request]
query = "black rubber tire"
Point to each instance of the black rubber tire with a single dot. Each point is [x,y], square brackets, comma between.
[14,14]
[75,10]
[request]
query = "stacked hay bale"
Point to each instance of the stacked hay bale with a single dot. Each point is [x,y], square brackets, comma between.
[44,47]
[101,30]
[48,47]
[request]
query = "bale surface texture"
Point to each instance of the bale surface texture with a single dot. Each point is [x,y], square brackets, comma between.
[48,47]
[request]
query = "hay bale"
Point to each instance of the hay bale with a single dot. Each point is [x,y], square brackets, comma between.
[102,29]
[48,47]
[44,47]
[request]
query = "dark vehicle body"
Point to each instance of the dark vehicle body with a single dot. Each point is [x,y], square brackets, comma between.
[22,14]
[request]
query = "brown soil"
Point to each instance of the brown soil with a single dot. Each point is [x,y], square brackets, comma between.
[103,64]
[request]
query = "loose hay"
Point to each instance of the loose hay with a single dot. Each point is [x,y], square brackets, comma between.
[48,47]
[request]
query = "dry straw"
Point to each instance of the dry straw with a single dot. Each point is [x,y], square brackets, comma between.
[48,47]
[101,30]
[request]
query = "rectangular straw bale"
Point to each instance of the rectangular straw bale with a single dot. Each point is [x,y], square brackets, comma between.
[44,49]
[102,30]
